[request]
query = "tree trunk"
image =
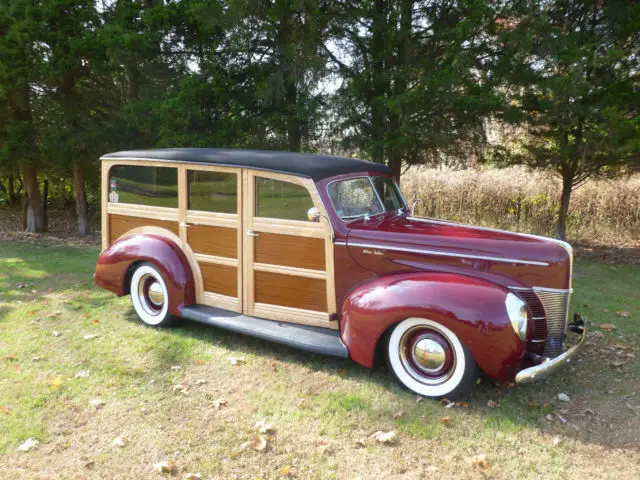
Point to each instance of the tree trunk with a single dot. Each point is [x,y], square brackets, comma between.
[11,187]
[294,134]
[34,221]
[567,187]
[82,209]
[45,201]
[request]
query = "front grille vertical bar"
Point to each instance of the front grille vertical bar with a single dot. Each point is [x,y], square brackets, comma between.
[556,307]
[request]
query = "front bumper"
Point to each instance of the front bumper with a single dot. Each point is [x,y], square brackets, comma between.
[550,365]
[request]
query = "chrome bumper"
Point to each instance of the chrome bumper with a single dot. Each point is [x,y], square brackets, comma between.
[551,365]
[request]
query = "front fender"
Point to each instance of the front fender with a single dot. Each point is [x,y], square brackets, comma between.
[472,308]
[114,264]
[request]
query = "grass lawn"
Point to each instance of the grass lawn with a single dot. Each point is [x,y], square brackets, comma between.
[79,370]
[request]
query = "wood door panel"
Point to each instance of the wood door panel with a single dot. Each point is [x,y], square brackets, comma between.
[291,291]
[121,224]
[222,279]
[218,241]
[290,251]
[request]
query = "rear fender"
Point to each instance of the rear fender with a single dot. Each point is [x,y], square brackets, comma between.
[472,308]
[115,264]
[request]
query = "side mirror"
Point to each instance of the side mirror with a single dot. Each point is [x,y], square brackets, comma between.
[313,214]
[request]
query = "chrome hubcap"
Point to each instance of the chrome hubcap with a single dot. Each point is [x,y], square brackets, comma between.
[151,295]
[156,296]
[429,354]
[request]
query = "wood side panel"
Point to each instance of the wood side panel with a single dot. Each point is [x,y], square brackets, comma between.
[218,241]
[290,291]
[290,251]
[222,279]
[121,224]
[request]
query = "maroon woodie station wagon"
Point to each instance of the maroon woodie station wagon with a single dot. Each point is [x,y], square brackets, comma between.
[323,254]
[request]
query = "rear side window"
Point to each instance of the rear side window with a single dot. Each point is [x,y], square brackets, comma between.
[277,199]
[155,186]
[213,191]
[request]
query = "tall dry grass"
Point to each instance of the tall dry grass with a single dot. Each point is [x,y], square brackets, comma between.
[601,211]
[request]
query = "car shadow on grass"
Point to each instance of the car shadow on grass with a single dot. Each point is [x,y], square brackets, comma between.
[589,417]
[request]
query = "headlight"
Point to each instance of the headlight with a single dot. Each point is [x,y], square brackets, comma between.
[517,311]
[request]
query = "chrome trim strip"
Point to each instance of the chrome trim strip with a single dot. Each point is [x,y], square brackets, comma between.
[547,368]
[450,254]
[538,341]
[552,290]
[340,242]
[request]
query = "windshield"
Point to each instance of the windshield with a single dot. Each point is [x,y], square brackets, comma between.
[356,197]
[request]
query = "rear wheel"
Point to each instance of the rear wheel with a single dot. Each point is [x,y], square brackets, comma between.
[150,297]
[430,360]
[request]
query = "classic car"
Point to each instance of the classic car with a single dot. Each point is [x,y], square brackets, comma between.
[323,254]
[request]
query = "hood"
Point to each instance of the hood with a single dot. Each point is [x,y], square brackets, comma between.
[388,243]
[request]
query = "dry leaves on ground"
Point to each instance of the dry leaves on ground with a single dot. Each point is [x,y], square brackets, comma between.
[607,326]
[28,445]
[166,466]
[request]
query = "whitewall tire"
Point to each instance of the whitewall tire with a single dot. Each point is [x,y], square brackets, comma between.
[429,359]
[149,296]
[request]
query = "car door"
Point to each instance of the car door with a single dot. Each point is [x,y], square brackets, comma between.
[212,226]
[288,259]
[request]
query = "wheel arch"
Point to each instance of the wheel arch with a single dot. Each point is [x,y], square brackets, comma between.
[160,247]
[472,308]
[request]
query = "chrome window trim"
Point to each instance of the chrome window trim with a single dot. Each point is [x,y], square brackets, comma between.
[374,191]
[450,254]
[542,289]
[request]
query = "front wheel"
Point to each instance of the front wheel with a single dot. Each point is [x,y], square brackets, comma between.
[429,359]
[149,296]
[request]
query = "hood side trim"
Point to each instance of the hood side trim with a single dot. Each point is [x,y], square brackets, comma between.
[449,254]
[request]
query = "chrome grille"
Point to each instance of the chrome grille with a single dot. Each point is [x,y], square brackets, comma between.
[556,308]
[538,320]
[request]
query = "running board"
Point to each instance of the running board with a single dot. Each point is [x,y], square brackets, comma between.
[312,339]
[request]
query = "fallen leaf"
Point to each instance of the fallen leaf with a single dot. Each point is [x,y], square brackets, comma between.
[37,359]
[561,418]
[361,442]
[237,361]
[463,404]
[81,374]
[90,336]
[199,362]
[28,444]
[166,466]
[563,397]
[556,441]
[201,381]
[549,417]
[258,443]
[97,403]
[119,442]
[22,285]
[480,461]
[56,383]
[445,420]
[56,333]
[588,411]
[219,403]
[193,476]
[492,404]
[384,437]
[180,388]
[263,427]
[608,326]
[398,415]
[450,405]
[176,368]
[623,314]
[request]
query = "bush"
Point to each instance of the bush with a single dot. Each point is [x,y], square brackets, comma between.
[601,211]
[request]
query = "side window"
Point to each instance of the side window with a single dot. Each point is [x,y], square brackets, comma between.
[213,191]
[155,186]
[277,199]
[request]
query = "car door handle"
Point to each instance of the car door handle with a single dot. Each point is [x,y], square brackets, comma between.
[251,233]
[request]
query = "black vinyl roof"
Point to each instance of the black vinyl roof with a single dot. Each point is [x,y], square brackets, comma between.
[307,165]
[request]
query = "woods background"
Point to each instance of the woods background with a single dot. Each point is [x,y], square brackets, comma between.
[441,91]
